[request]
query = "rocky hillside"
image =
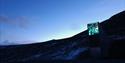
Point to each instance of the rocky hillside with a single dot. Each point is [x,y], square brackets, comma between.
[111,38]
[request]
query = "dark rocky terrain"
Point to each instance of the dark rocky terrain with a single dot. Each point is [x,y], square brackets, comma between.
[108,44]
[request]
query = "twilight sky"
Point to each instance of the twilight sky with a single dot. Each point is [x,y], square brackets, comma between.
[28,21]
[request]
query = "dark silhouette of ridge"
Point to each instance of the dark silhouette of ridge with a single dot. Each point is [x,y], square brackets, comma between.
[111,38]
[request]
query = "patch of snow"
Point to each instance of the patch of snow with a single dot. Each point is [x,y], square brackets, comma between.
[74,53]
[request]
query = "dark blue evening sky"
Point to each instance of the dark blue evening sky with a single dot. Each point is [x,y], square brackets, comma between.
[27,21]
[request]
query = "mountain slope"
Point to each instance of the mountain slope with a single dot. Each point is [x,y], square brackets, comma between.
[73,48]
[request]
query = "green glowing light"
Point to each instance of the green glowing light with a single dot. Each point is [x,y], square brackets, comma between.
[93,28]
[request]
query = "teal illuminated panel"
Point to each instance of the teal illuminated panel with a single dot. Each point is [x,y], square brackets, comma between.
[93,28]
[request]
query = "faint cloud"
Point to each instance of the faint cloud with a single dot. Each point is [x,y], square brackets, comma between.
[20,21]
[4,19]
